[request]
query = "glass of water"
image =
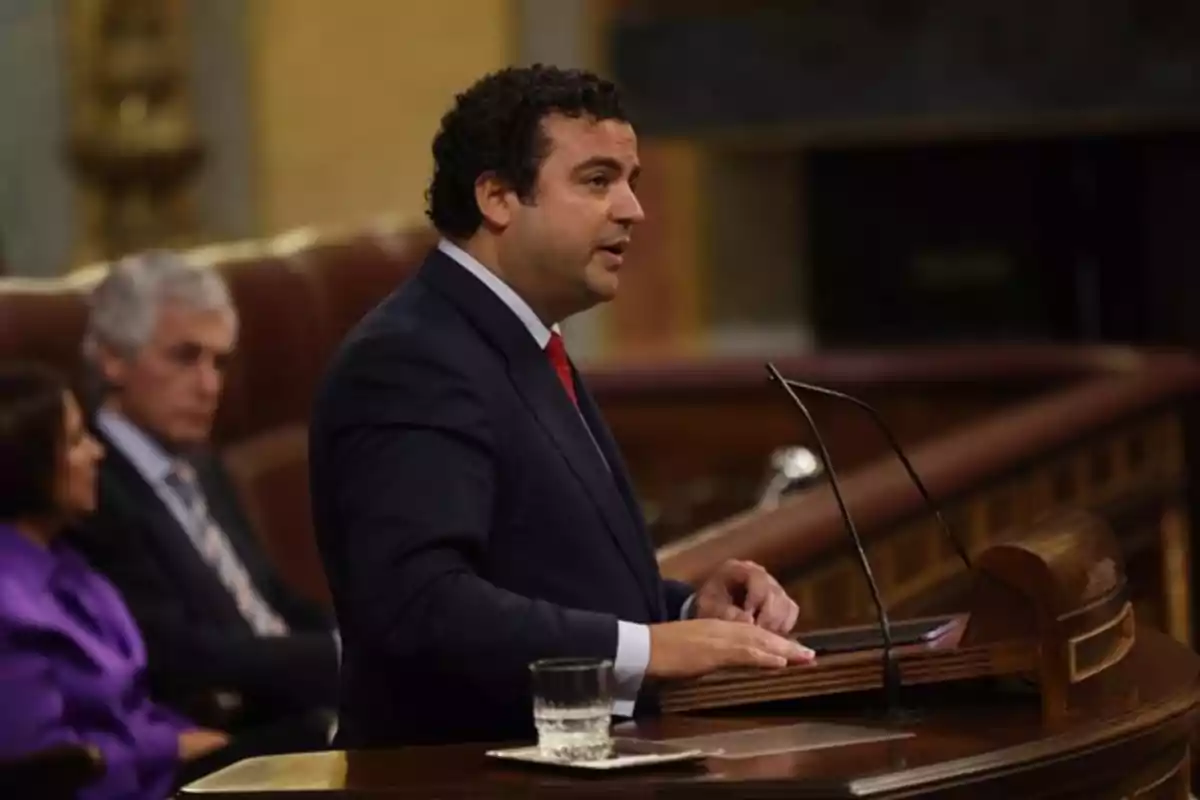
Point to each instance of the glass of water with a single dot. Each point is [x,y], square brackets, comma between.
[572,707]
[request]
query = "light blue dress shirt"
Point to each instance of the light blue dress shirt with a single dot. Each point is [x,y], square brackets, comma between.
[633,639]
[148,457]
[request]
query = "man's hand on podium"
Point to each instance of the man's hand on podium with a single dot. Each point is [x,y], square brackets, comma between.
[696,647]
[742,591]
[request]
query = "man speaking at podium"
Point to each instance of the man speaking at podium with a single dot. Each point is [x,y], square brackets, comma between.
[472,510]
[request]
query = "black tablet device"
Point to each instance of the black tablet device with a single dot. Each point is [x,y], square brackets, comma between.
[869,637]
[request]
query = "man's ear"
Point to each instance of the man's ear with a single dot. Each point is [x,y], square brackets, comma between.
[496,201]
[114,367]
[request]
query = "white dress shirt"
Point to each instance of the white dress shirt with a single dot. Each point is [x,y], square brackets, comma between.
[633,639]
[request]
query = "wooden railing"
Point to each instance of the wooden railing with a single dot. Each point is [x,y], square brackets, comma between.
[697,434]
[1112,442]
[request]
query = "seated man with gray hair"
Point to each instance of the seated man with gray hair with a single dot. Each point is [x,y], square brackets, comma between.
[169,531]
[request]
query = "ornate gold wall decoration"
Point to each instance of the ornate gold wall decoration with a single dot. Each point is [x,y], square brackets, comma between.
[133,148]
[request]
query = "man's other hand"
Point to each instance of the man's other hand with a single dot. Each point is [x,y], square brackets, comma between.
[742,591]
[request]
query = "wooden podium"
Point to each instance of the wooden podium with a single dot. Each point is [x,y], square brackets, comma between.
[1052,606]
[1102,710]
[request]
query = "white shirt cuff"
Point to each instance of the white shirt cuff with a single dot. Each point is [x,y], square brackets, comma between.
[629,667]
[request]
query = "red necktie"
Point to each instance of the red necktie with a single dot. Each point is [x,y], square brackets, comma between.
[557,353]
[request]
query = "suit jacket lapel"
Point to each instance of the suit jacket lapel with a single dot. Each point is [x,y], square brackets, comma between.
[168,536]
[616,463]
[619,476]
[538,385]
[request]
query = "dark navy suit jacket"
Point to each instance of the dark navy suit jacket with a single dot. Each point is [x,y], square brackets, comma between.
[197,640]
[467,522]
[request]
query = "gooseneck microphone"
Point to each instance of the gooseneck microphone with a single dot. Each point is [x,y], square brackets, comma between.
[891,671]
[895,445]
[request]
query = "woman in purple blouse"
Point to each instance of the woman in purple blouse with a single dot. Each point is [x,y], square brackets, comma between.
[72,660]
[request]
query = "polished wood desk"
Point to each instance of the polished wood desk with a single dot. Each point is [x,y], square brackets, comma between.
[969,742]
[1048,688]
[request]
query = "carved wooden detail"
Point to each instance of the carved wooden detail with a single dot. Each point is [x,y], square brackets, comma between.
[133,146]
[1167,777]
[1119,473]
[1050,604]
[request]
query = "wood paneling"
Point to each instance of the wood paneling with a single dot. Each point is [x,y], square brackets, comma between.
[658,308]
[1112,445]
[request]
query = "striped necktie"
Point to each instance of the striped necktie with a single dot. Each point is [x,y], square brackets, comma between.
[217,551]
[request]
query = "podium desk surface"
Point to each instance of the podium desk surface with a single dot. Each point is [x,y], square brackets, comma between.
[1131,743]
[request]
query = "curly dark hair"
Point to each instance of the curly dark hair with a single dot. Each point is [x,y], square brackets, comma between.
[495,126]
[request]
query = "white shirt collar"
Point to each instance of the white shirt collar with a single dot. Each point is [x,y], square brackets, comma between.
[536,328]
[146,455]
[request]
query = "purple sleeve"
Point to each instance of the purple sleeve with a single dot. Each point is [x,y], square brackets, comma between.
[156,731]
[35,719]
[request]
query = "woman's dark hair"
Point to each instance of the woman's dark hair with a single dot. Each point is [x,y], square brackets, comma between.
[495,126]
[31,437]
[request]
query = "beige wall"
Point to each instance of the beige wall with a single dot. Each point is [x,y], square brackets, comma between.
[348,93]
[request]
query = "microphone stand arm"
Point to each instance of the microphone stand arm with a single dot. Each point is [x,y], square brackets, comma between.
[959,548]
[891,671]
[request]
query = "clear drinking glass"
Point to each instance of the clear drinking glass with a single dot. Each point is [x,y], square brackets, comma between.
[572,707]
